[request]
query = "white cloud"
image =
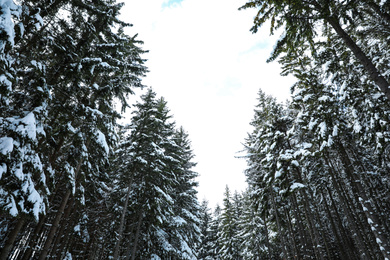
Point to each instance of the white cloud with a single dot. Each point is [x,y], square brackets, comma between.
[209,67]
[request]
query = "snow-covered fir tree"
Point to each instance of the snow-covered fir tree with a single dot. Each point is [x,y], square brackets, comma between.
[205,247]
[158,206]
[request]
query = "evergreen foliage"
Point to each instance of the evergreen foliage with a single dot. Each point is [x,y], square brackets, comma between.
[75,184]
[157,181]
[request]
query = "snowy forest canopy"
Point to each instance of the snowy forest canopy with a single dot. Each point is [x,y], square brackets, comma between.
[75,184]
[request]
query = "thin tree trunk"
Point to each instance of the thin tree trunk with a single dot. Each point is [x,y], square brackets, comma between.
[61,240]
[56,222]
[11,239]
[373,72]
[267,236]
[321,231]
[379,11]
[137,235]
[284,245]
[54,226]
[347,210]
[371,216]
[344,236]
[342,248]
[34,239]
[301,229]
[128,251]
[122,223]
[292,234]
[309,216]
[312,228]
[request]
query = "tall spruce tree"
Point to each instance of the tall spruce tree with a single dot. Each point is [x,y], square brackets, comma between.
[228,233]
[157,199]
[205,247]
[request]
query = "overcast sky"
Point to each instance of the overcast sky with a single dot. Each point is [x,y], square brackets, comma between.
[209,67]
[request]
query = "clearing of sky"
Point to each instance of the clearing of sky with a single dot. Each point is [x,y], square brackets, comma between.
[171,3]
[209,71]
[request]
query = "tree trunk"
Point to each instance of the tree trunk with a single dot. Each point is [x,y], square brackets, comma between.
[371,216]
[306,246]
[56,222]
[284,245]
[122,223]
[373,72]
[267,243]
[136,236]
[321,226]
[11,239]
[342,248]
[309,216]
[61,238]
[297,254]
[348,212]
[34,239]
[54,226]
[344,236]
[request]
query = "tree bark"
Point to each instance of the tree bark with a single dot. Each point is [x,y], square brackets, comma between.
[54,226]
[122,223]
[349,213]
[136,236]
[297,254]
[284,245]
[340,244]
[373,72]
[306,246]
[365,203]
[11,239]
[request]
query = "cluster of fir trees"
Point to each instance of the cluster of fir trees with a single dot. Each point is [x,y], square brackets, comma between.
[221,230]
[318,184]
[234,230]
[70,185]
[318,167]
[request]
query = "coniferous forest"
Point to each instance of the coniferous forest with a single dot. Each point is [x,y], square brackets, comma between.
[77,184]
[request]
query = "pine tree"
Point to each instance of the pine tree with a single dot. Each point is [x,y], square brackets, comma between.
[228,233]
[185,223]
[205,247]
[157,196]
[215,229]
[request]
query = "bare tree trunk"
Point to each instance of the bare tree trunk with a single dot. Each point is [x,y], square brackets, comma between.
[56,222]
[284,245]
[310,219]
[34,239]
[345,205]
[122,223]
[267,236]
[373,72]
[61,240]
[365,203]
[11,239]
[54,226]
[301,229]
[340,244]
[137,236]
[292,234]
